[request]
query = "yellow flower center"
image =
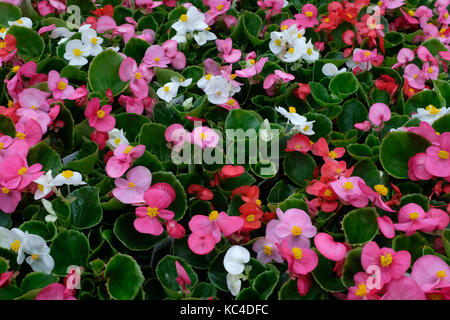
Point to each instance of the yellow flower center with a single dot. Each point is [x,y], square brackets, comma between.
[277,42]
[305,128]
[219,93]
[348,185]
[40,187]
[296,231]
[67,174]
[292,110]
[327,193]
[416,76]
[258,202]
[2,45]
[213,215]
[443,154]
[15,246]
[298,146]
[309,14]
[362,290]
[309,51]
[62,85]
[137,75]
[15,68]
[166,88]
[268,250]
[131,184]
[101,114]
[1,145]
[20,135]
[3,30]
[411,13]
[250,218]
[219,7]
[117,140]
[380,3]
[413,215]
[184,17]
[22,171]
[338,170]
[34,257]
[446,15]
[284,27]
[94,40]
[291,50]
[441,274]
[381,189]
[332,154]
[326,20]
[152,212]
[430,70]
[203,136]
[298,253]
[231,102]
[299,35]
[10,103]
[232,76]
[208,76]
[367,53]
[432,109]
[386,260]
[128,149]
[157,59]
[77,52]
[372,26]
[20,21]
[5,190]
[34,108]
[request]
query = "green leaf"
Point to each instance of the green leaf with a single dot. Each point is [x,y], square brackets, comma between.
[30,45]
[8,12]
[37,280]
[421,100]
[360,225]
[204,290]
[42,153]
[280,192]
[131,238]
[152,137]
[217,273]
[289,292]
[353,112]
[416,198]
[434,46]
[299,168]
[5,220]
[322,125]
[442,88]
[123,277]
[442,124]
[4,265]
[396,150]
[166,272]
[368,171]
[86,158]
[163,75]
[70,247]
[325,276]
[344,84]
[413,244]
[179,205]
[131,123]
[446,241]
[86,209]
[248,294]
[104,72]
[359,151]
[86,6]
[242,119]
[46,231]
[135,48]
[321,96]
[7,125]
[352,266]
[265,283]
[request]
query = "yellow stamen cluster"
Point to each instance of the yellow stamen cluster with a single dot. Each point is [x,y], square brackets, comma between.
[386,260]
[67,174]
[381,189]
[152,212]
[296,231]
[213,215]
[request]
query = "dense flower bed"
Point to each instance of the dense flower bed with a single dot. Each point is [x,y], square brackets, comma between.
[220,149]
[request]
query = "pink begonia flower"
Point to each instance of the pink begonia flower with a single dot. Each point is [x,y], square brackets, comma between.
[424,14]
[132,189]
[375,196]
[320,148]
[30,132]
[177,135]
[430,72]
[34,99]
[379,113]
[431,272]
[207,230]
[386,227]
[230,104]
[139,76]
[46,29]
[414,76]
[437,162]
[155,56]
[15,84]
[105,23]
[412,217]
[204,137]
[329,248]
[301,261]
[5,278]
[393,4]
[126,31]
[416,167]
[425,55]
[16,174]
[9,198]
[182,277]
[59,86]
[40,117]
[217,8]
[158,199]
[253,68]
[307,19]
[409,19]
[271,79]
[403,288]
[5,142]
[348,190]
[177,58]
[360,290]
[444,17]
[46,7]
[266,248]
[295,228]
[124,156]
[364,126]
[148,4]
[79,93]
[441,216]
[99,118]
[226,51]
[404,56]
[132,105]
[425,130]
[55,291]
[393,265]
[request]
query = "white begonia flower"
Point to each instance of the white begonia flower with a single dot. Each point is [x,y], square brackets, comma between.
[44,185]
[204,36]
[168,91]
[218,90]
[51,217]
[351,64]
[289,45]
[39,259]
[193,20]
[234,283]
[3,32]
[61,32]
[310,54]
[295,52]
[292,34]
[84,27]
[116,137]
[203,82]
[179,38]
[182,81]
[306,128]
[430,113]
[330,70]
[276,43]
[90,39]
[76,52]
[68,177]
[22,22]
[14,240]
[235,259]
